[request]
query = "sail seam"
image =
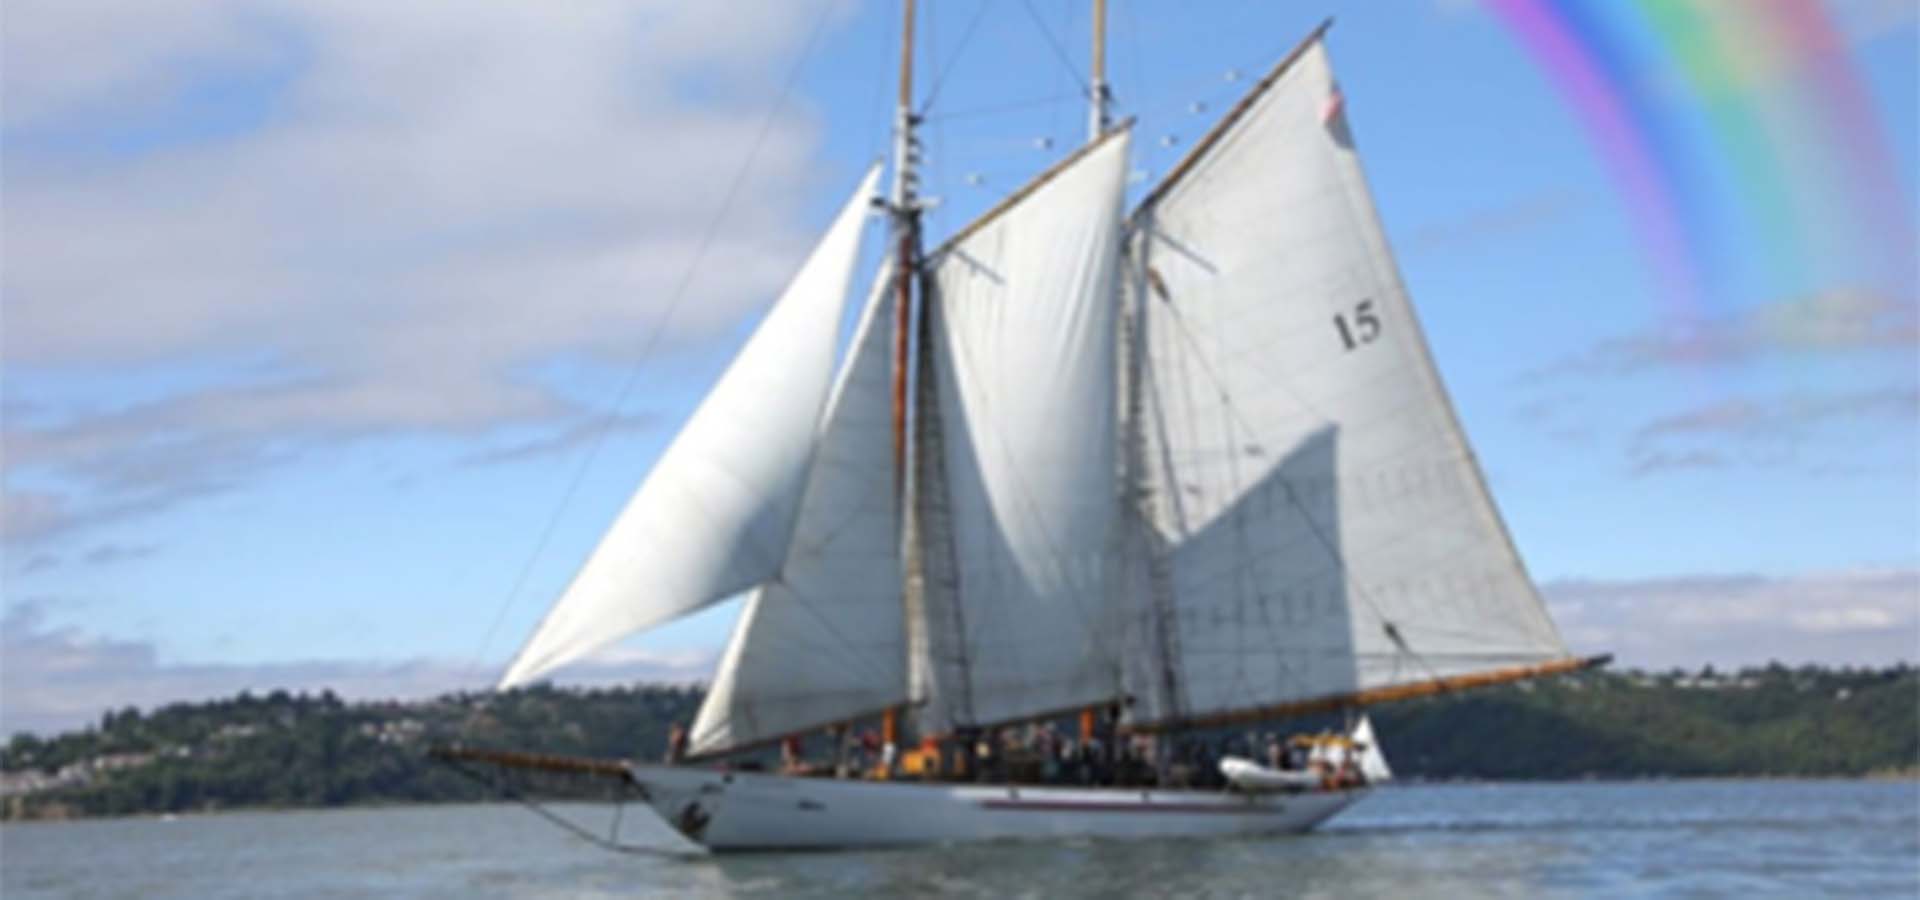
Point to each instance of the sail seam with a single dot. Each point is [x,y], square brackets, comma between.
[1360,201]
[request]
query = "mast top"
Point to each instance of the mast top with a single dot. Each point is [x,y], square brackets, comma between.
[1100,97]
[906,145]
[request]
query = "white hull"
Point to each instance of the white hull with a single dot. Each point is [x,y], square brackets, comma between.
[757,811]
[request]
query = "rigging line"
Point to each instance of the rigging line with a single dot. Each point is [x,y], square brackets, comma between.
[856,652]
[611,842]
[1415,624]
[877,107]
[1207,88]
[653,338]
[1136,63]
[940,78]
[1025,500]
[1233,411]
[1199,354]
[997,108]
[1059,51]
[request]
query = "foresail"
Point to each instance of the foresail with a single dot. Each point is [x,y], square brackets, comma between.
[1021,310]
[715,514]
[823,640]
[1324,526]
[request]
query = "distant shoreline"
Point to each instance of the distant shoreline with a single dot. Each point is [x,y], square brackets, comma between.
[286,751]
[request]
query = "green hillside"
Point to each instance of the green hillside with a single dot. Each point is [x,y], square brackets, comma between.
[285,750]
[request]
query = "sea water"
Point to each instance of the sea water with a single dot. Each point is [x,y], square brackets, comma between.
[1692,838]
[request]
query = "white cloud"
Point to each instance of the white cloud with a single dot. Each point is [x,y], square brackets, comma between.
[1492,225]
[1857,617]
[1769,430]
[58,678]
[425,201]
[1848,618]
[1836,322]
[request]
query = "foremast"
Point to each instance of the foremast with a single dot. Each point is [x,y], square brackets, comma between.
[1099,95]
[918,481]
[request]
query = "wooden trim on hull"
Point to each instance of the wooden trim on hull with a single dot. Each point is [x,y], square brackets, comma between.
[1337,702]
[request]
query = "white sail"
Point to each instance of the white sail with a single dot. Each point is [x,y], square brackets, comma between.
[823,640]
[1325,525]
[1022,308]
[715,514]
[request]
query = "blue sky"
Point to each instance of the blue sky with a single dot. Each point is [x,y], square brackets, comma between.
[313,313]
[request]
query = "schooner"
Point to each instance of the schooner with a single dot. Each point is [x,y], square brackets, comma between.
[1190,463]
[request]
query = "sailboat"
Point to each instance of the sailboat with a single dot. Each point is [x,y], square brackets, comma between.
[1170,470]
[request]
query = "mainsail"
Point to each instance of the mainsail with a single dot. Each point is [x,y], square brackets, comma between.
[1197,460]
[715,515]
[1324,527]
[823,641]
[1021,308]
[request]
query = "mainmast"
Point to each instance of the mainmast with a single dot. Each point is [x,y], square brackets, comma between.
[904,208]
[1100,113]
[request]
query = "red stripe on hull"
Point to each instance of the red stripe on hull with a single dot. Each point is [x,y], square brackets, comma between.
[1068,806]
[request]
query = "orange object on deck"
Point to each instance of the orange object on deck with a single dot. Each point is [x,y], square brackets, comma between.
[1086,725]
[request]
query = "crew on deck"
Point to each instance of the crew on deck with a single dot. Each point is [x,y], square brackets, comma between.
[1042,753]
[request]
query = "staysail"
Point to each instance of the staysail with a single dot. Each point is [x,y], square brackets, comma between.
[715,514]
[823,641]
[1021,308]
[1325,528]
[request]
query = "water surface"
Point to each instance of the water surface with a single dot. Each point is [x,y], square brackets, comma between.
[1720,838]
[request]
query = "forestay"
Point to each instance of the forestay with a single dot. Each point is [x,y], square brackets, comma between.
[1022,308]
[823,641]
[1325,524]
[715,514]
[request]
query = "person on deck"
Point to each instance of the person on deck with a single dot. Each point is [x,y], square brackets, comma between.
[869,755]
[985,760]
[676,743]
[1048,749]
[932,764]
[790,761]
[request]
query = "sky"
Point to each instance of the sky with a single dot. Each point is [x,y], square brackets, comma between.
[334,333]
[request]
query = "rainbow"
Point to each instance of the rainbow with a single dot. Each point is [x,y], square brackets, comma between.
[1768,171]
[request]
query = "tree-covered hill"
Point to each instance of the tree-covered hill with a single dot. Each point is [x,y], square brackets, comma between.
[283,750]
[1772,721]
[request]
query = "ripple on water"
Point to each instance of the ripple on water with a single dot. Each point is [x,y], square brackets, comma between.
[1766,838]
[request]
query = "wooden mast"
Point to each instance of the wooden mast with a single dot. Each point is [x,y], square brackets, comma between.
[1099,115]
[905,210]
[1098,121]
[906,233]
